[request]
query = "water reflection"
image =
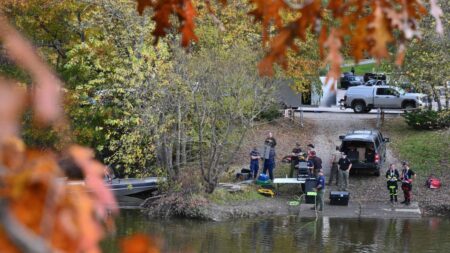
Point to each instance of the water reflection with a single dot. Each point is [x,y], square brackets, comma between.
[290,234]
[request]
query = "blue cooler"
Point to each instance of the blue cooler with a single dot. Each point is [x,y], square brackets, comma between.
[263,179]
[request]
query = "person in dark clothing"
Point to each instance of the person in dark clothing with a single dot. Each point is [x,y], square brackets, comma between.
[309,148]
[345,166]
[269,155]
[353,70]
[270,141]
[370,154]
[295,158]
[407,179]
[316,163]
[392,177]
[320,190]
[254,162]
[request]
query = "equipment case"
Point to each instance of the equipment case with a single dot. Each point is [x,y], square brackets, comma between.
[310,184]
[339,198]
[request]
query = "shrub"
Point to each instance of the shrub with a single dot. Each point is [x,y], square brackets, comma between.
[272,112]
[428,119]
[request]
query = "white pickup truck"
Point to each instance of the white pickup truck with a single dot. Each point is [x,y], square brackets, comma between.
[364,98]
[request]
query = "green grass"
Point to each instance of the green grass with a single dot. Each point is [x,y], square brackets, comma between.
[427,151]
[361,69]
[221,196]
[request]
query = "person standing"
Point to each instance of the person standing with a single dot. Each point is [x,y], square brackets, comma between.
[269,155]
[254,162]
[345,166]
[392,177]
[353,71]
[295,159]
[316,163]
[334,174]
[407,179]
[320,190]
[309,148]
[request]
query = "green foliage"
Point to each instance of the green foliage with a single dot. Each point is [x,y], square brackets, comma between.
[272,112]
[361,69]
[427,151]
[222,197]
[428,119]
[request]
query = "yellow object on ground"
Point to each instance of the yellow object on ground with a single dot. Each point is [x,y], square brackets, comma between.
[266,192]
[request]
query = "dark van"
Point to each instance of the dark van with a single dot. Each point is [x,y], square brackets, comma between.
[366,149]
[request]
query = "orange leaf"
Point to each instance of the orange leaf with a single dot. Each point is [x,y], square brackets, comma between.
[93,172]
[139,243]
[381,34]
[188,23]
[142,4]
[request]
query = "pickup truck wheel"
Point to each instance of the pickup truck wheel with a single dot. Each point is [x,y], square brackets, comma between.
[409,107]
[359,107]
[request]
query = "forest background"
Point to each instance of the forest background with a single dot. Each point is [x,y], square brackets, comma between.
[150,107]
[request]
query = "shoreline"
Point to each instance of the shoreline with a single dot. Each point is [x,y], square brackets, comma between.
[272,207]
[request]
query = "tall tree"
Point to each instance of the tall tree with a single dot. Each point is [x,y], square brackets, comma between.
[426,60]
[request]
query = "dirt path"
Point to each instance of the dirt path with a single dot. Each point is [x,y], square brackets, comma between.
[323,130]
[328,127]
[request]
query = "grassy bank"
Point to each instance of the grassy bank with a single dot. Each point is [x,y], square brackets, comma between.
[361,69]
[222,196]
[427,151]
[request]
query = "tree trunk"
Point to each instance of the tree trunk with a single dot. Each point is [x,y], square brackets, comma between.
[178,139]
[446,96]
[436,97]
[210,187]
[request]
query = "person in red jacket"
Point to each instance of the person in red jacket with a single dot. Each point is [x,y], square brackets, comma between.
[407,177]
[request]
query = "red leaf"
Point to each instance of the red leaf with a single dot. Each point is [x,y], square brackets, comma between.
[163,9]
[142,4]
[139,243]
[188,23]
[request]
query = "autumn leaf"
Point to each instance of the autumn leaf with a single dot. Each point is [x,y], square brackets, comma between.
[47,96]
[93,171]
[436,12]
[334,57]
[380,33]
[188,15]
[142,4]
[139,243]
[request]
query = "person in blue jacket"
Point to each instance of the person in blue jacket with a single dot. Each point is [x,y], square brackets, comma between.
[254,162]
[320,189]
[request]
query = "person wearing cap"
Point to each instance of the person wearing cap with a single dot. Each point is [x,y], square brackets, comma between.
[295,158]
[320,190]
[392,177]
[345,166]
[407,179]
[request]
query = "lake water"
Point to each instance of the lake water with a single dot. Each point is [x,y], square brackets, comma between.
[289,234]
